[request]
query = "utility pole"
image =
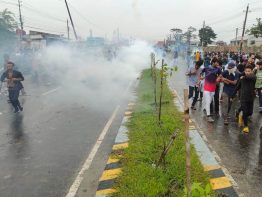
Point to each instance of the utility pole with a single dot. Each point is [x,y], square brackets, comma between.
[21,26]
[236,37]
[68,30]
[72,23]
[244,28]
[204,32]
[20,16]
[118,35]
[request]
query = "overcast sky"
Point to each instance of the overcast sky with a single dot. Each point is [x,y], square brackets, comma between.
[145,19]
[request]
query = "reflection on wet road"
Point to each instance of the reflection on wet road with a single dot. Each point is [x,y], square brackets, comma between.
[16,128]
[241,154]
[42,148]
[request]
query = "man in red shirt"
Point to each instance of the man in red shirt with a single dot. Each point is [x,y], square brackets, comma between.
[212,76]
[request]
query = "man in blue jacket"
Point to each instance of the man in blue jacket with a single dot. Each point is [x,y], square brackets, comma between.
[13,79]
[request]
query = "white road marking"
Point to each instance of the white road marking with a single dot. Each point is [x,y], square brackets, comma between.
[75,186]
[51,91]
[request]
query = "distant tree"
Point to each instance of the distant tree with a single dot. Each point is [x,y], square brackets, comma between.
[8,26]
[7,20]
[256,30]
[176,30]
[206,35]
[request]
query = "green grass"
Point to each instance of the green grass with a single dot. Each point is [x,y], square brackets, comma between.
[140,178]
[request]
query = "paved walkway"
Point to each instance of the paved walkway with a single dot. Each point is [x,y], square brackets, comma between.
[240,154]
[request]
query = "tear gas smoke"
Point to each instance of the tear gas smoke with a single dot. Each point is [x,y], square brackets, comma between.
[136,10]
[91,79]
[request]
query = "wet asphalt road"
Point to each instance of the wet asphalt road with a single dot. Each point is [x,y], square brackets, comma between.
[241,154]
[43,148]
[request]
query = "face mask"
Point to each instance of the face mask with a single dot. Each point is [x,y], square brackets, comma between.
[232,70]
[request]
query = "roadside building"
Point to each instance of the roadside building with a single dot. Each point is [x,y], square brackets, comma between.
[248,41]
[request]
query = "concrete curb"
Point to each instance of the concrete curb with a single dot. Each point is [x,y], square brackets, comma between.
[221,181]
[113,166]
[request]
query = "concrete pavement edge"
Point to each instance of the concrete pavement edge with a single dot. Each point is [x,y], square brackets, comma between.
[113,166]
[221,180]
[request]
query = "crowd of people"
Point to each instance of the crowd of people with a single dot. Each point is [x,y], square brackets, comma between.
[225,81]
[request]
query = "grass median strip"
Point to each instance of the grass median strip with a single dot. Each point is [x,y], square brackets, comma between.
[147,140]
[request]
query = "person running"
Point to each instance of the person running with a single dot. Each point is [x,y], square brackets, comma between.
[193,76]
[14,85]
[230,79]
[212,76]
[258,86]
[215,102]
[246,85]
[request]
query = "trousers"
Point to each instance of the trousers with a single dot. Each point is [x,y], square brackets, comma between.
[193,90]
[247,109]
[208,98]
[13,96]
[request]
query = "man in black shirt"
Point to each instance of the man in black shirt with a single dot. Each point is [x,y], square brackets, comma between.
[247,94]
[241,66]
[14,85]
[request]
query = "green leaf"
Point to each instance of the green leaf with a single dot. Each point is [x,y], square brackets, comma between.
[208,189]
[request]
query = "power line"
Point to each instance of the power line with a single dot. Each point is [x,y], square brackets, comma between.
[32,9]
[39,12]
[45,26]
[226,19]
[9,3]
[255,9]
[42,21]
[233,30]
[82,16]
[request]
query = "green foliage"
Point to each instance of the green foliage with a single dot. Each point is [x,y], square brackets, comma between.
[7,21]
[199,191]
[7,28]
[256,30]
[167,71]
[139,175]
[206,35]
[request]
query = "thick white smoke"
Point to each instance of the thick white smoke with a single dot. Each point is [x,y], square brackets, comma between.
[91,78]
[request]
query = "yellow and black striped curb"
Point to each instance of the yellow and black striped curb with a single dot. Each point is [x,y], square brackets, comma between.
[220,181]
[113,166]
[111,172]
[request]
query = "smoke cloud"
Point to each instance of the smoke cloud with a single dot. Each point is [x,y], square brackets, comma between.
[136,10]
[91,78]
